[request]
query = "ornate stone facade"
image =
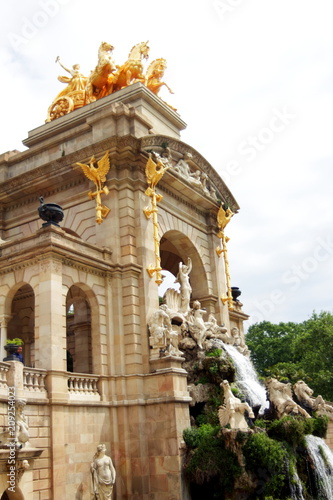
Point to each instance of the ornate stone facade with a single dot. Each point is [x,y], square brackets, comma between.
[80,297]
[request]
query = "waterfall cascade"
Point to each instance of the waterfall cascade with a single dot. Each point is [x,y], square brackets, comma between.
[296,487]
[322,458]
[247,378]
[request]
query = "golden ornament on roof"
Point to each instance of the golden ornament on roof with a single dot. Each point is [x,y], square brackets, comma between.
[106,78]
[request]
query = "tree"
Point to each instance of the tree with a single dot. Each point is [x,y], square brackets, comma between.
[272,343]
[294,351]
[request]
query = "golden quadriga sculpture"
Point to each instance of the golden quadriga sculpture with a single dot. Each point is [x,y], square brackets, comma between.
[106,79]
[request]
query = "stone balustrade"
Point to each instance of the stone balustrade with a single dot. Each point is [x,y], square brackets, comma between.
[4,367]
[83,387]
[34,382]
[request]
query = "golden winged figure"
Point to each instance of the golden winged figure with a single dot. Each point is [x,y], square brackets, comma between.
[97,175]
[154,172]
[223,218]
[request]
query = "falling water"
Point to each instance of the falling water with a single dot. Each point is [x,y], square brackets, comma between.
[323,466]
[296,488]
[247,379]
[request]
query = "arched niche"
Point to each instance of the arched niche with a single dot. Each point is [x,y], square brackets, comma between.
[21,309]
[175,247]
[78,331]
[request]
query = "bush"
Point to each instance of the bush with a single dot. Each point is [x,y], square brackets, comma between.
[266,458]
[209,461]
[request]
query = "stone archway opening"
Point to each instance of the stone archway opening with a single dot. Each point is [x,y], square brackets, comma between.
[78,331]
[175,247]
[22,322]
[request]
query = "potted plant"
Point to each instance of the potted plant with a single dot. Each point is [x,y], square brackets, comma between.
[11,347]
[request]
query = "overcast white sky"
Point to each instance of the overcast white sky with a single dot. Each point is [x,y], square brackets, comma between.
[253,79]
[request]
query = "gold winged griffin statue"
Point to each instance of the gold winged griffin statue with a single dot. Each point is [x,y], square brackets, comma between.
[98,176]
[223,218]
[154,172]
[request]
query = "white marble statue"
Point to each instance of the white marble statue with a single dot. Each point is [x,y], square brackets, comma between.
[304,395]
[182,166]
[232,411]
[280,396]
[197,178]
[183,279]
[196,325]
[21,425]
[214,330]
[103,474]
[163,337]
[238,341]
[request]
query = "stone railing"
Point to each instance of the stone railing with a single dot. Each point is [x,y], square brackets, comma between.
[83,387]
[34,382]
[4,367]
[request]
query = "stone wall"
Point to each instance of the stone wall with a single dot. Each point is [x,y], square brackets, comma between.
[329,436]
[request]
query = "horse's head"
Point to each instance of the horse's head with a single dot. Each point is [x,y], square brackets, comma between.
[106,47]
[144,50]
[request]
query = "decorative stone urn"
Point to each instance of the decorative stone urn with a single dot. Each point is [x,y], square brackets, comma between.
[235,292]
[50,212]
[11,350]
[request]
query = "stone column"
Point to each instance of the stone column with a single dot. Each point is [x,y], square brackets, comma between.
[50,331]
[4,320]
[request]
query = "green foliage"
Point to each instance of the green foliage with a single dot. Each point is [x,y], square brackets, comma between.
[215,353]
[296,351]
[209,461]
[292,430]
[319,426]
[289,429]
[266,458]
[194,436]
[15,341]
[217,369]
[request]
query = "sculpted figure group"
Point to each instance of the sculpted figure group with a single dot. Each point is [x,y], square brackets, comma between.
[106,78]
[190,328]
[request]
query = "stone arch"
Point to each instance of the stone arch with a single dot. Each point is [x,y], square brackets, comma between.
[83,344]
[176,247]
[20,308]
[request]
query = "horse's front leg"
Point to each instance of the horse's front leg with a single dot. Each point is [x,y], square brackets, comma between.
[128,77]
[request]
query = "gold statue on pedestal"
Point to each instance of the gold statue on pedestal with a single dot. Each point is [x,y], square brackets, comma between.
[154,172]
[98,176]
[106,78]
[223,218]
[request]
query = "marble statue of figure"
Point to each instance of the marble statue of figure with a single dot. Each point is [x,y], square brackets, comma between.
[195,178]
[280,396]
[183,279]
[76,82]
[216,331]
[182,166]
[196,325]
[232,411]
[304,395]
[21,425]
[238,342]
[162,335]
[103,474]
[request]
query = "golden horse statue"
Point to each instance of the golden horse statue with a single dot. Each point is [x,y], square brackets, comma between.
[132,70]
[100,81]
[154,75]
